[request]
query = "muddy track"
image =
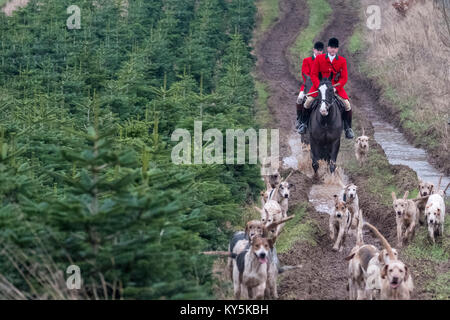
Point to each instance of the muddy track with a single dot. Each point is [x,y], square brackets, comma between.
[324,273]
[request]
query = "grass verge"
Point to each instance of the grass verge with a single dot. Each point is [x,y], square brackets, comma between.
[298,229]
[262,114]
[319,11]
[268,12]
[355,42]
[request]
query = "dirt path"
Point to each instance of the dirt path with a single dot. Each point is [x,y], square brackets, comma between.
[324,273]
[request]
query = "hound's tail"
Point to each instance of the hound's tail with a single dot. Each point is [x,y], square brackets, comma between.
[382,239]
[289,175]
[445,190]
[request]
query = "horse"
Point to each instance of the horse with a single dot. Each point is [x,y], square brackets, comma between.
[325,126]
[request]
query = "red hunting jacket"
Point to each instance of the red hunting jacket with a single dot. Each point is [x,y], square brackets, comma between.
[306,70]
[323,65]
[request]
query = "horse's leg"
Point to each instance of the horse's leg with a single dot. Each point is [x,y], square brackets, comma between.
[333,154]
[332,166]
[314,157]
[327,155]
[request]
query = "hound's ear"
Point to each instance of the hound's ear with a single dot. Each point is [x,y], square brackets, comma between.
[246,228]
[358,139]
[406,273]
[381,258]
[350,257]
[336,198]
[405,196]
[432,188]
[394,197]
[384,272]
[271,242]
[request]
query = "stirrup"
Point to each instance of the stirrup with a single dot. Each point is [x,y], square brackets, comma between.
[302,128]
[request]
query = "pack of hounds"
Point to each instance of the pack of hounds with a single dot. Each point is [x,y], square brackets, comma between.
[373,273]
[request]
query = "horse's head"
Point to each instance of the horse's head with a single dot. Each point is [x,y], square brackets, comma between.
[326,94]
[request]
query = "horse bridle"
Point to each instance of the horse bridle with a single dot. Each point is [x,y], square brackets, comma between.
[327,103]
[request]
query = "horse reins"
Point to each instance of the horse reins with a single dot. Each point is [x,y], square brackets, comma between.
[334,86]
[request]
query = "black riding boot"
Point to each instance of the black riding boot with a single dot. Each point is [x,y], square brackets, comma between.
[348,124]
[299,115]
[304,121]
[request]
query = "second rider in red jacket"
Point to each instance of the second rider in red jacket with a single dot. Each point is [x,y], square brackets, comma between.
[326,64]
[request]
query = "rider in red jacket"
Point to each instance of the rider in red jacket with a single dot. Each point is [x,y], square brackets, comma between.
[307,65]
[326,64]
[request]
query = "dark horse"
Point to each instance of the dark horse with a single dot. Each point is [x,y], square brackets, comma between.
[325,126]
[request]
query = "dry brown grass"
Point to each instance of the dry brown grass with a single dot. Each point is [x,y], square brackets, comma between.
[410,58]
[44,279]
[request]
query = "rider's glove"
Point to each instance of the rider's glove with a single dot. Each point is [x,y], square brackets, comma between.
[300,97]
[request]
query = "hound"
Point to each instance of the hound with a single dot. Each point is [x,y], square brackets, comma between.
[406,215]
[373,273]
[284,192]
[240,240]
[250,269]
[248,272]
[359,258]
[281,194]
[269,171]
[270,213]
[269,194]
[274,268]
[396,281]
[435,214]
[340,221]
[350,196]
[425,189]
[273,179]
[362,148]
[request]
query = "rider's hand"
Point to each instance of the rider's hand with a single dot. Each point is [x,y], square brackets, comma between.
[334,90]
[301,95]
